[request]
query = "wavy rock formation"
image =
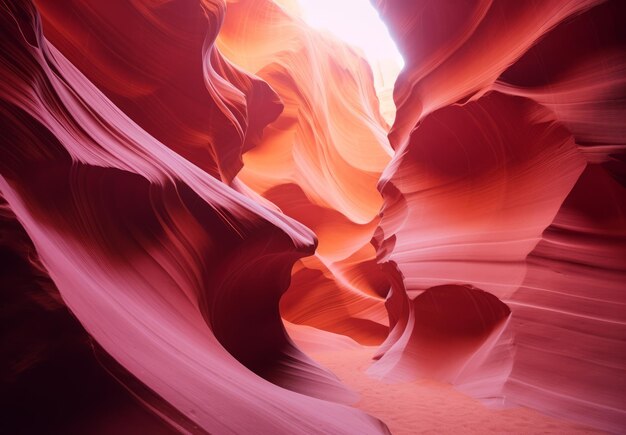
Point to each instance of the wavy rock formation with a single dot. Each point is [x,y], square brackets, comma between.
[454,51]
[198,197]
[569,314]
[49,366]
[485,189]
[156,61]
[165,267]
[319,162]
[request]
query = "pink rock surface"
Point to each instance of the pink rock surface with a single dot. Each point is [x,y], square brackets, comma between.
[466,202]
[319,162]
[207,226]
[164,266]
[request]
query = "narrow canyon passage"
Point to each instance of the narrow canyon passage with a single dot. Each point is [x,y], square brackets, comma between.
[313,216]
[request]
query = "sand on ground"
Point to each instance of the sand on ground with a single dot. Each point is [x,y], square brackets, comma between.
[428,407]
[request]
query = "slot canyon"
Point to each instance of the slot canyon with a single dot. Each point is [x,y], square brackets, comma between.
[313,216]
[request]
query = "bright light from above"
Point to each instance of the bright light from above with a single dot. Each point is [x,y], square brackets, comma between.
[358,23]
